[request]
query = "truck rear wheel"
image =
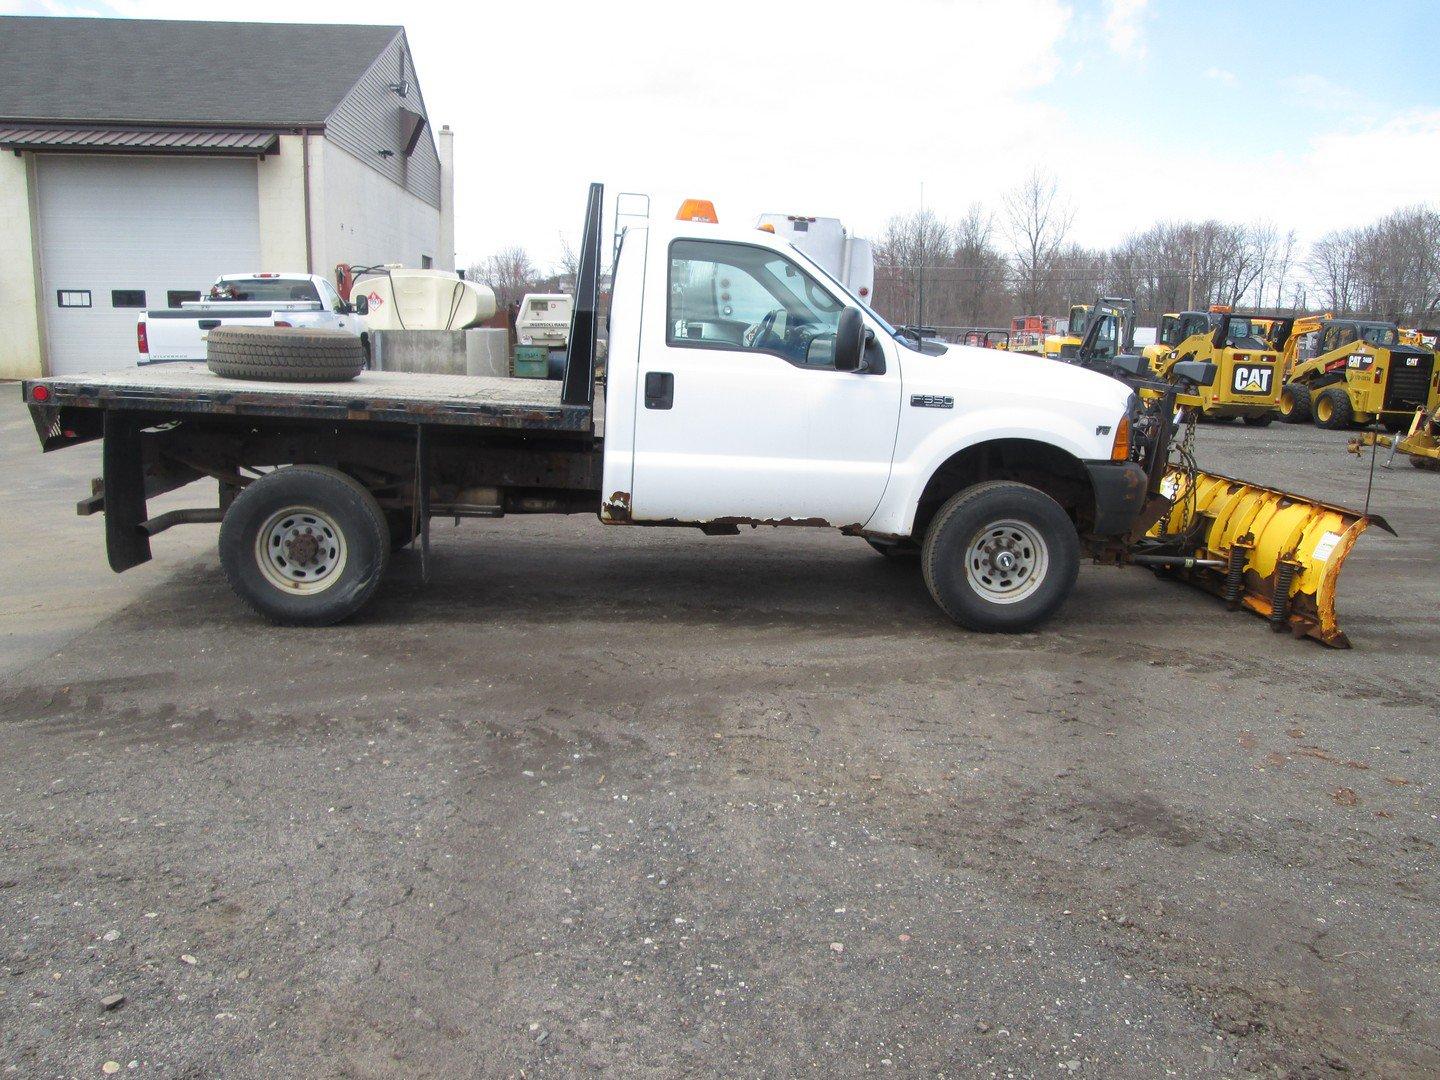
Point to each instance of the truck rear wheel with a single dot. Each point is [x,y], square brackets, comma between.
[1000,557]
[1259,420]
[284,354]
[1294,405]
[305,545]
[1333,411]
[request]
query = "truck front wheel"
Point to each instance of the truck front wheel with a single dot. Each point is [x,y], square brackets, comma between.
[1001,557]
[305,545]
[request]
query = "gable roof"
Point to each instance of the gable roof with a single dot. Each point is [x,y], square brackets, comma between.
[153,71]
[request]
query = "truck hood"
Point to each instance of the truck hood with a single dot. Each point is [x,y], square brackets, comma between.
[963,369]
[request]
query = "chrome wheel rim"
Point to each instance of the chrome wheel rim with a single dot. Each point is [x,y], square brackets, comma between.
[300,550]
[1006,561]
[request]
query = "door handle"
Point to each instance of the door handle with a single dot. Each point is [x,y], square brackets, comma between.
[659,390]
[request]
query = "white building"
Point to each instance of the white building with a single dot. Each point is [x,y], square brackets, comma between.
[140,159]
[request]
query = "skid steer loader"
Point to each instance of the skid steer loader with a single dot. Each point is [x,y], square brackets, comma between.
[1362,373]
[1272,552]
[1247,377]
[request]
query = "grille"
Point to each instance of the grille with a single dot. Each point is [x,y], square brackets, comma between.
[1408,387]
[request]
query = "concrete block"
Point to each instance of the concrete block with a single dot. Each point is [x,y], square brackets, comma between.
[487,351]
[438,352]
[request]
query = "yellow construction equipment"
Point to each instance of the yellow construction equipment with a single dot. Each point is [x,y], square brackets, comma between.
[1287,336]
[1066,346]
[1420,444]
[1363,373]
[1271,552]
[1247,380]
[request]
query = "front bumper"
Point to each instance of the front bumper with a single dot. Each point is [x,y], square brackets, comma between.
[1120,489]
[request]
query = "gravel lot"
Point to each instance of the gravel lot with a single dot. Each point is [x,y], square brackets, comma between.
[642,802]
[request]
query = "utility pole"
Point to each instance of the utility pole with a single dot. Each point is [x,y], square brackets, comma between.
[1190,291]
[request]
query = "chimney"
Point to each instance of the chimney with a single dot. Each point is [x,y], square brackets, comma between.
[445,255]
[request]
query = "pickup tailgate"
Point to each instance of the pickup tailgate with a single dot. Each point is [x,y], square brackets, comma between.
[180,334]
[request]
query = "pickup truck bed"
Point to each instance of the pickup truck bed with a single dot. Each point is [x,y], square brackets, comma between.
[462,400]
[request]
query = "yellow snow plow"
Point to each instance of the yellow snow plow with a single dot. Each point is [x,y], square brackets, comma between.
[1272,552]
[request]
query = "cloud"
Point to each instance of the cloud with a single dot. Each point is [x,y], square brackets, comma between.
[1318,93]
[1123,19]
[1221,75]
[809,107]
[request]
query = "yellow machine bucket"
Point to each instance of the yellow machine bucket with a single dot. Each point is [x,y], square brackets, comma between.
[1275,553]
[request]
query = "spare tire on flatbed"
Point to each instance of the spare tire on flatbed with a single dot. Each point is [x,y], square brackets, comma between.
[284,354]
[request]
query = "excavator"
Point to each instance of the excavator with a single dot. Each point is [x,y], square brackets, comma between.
[1274,553]
[1362,373]
[1247,382]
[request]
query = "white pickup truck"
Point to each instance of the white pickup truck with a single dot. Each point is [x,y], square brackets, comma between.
[261,299]
[745,387]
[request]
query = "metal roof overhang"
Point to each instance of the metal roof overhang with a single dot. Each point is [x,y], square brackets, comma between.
[115,139]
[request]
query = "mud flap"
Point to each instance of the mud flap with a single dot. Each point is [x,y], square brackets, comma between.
[1273,552]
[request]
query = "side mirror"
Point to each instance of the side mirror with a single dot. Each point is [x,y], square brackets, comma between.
[849,340]
[360,305]
[1196,371]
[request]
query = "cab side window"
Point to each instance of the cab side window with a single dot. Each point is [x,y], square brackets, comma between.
[330,298]
[735,296]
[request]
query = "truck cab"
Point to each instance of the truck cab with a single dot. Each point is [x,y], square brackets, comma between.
[747,386]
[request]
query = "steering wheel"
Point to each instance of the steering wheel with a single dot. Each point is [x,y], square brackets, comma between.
[754,335]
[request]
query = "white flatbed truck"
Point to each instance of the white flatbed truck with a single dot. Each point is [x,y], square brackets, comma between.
[745,386]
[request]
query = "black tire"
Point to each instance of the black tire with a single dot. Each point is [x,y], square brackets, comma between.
[1332,409]
[287,506]
[1294,405]
[1014,515]
[284,354]
[899,550]
[1263,420]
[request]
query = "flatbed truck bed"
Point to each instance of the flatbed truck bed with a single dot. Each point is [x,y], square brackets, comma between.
[380,396]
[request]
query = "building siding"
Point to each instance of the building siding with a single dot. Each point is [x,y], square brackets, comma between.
[369,119]
[363,219]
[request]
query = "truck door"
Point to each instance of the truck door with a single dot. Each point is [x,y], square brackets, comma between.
[740,411]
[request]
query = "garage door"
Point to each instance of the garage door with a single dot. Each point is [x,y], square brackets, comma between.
[121,234]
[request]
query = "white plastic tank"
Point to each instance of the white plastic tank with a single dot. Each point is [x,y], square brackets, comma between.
[402,299]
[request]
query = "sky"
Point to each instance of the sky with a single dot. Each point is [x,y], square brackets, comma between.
[1309,115]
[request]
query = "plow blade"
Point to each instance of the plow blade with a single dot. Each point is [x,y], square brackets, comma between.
[1275,553]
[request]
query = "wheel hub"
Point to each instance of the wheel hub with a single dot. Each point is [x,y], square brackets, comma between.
[303,549]
[1006,561]
[300,550]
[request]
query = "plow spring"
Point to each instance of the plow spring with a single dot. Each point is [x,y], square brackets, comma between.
[1277,554]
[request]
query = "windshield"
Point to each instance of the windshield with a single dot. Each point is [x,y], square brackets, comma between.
[909,343]
[265,290]
[1379,334]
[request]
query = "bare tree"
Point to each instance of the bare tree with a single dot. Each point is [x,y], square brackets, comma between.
[509,272]
[1039,222]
